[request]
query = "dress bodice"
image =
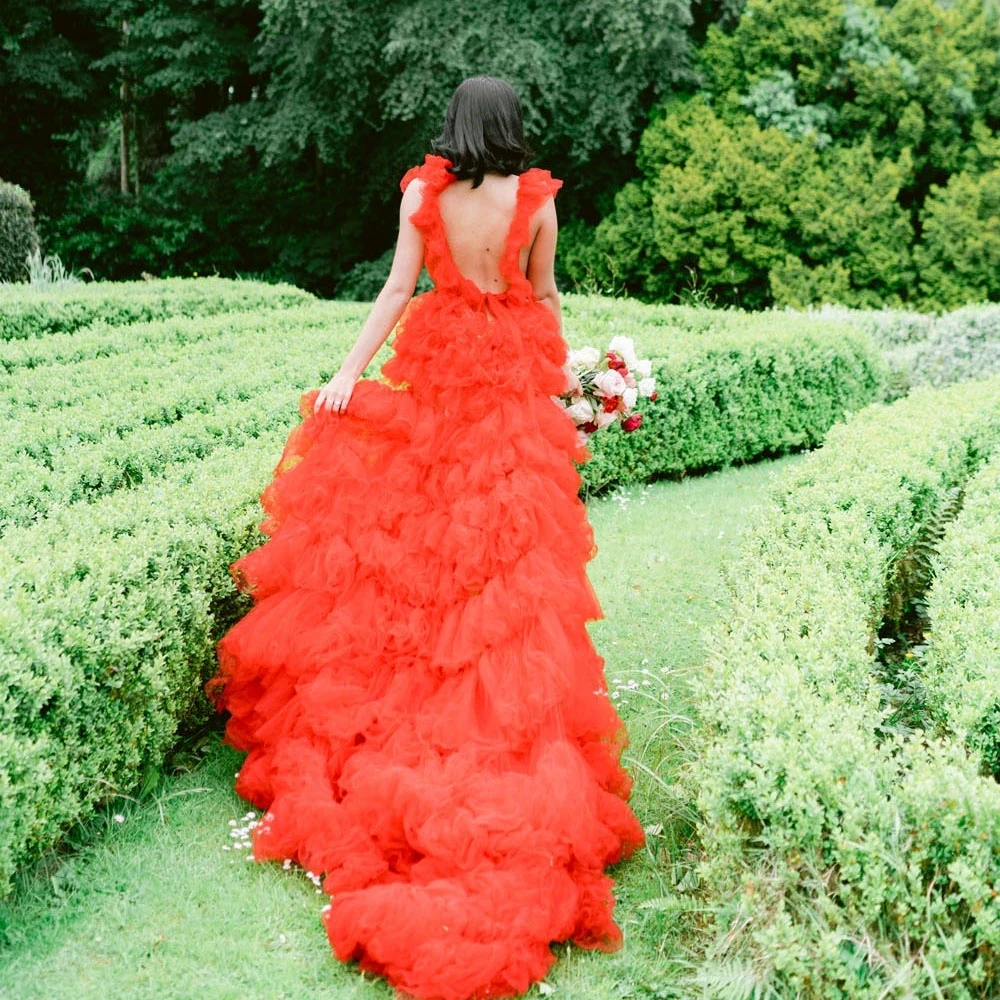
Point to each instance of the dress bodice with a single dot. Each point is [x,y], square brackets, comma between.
[534,186]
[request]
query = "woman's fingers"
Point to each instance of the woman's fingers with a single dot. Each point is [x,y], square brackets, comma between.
[334,400]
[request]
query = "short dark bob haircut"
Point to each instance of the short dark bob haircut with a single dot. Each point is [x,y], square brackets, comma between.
[483,131]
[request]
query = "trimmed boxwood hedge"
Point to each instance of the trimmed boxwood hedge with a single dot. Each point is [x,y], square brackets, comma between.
[843,859]
[113,579]
[961,666]
[108,616]
[36,312]
[731,386]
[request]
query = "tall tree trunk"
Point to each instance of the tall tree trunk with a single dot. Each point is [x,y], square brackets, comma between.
[126,120]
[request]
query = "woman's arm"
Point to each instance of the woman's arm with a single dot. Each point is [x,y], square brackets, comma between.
[542,259]
[389,305]
[541,273]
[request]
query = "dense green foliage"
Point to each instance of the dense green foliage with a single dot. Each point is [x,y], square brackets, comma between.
[27,313]
[18,239]
[924,349]
[135,450]
[731,386]
[847,853]
[961,667]
[842,152]
[791,152]
[269,136]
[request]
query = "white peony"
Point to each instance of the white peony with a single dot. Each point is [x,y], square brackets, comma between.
[609,383]
[605,419]
[644,368]
[630,396]
[647,387]
[626,348]
[581,411]
[585,357]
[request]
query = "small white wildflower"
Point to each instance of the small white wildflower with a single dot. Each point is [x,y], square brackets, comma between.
[119,818]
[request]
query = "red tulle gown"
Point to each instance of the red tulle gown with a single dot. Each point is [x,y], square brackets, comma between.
[427,720]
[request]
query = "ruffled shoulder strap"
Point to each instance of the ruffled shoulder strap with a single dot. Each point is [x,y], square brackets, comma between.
[537,185]
[436,176]
[534,187]
[433,172]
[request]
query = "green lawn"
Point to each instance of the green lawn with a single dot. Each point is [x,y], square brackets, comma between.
[150,906]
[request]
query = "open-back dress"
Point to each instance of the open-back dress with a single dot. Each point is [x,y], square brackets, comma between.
[426,718]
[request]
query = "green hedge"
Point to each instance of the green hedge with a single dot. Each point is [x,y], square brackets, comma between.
[841,858]
[130,474]
[79,430]
[108,616]
[923,348]
[732,386]
[961,667]
[35,312]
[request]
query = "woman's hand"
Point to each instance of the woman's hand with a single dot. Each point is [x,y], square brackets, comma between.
[335,395]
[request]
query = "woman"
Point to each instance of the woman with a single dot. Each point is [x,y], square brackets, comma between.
[426,718]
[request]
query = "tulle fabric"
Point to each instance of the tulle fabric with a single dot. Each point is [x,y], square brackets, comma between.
[426,719]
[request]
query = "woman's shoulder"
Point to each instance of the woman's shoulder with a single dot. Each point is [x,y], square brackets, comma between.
[433,170]
[537,184]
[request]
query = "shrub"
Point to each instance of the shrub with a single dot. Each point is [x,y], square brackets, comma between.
[108,613]
[961,667]
[731,386]
[18,239]
[115,417]
[132,463]
[958,258]
[31,312]
[964,344]
[843,859]
[924,349]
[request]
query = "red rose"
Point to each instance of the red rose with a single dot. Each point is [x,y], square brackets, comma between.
[632,423]
[588,427]
[652,396]
[611,404]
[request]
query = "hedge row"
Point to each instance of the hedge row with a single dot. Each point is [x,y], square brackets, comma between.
[961,668]
[841,858]
[108,616]
[732,386]
[924,349]
[85,471]
[110,602]
[74,431]
[26,311]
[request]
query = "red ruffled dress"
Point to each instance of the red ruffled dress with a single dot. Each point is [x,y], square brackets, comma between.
[427,720]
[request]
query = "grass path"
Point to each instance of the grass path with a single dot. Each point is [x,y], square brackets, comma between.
[150,906]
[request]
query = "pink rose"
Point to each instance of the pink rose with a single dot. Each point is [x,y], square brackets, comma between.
[610,383]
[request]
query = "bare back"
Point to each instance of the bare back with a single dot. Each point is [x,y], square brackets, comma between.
[476,223]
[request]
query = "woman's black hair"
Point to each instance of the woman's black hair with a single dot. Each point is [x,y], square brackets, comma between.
[483,130]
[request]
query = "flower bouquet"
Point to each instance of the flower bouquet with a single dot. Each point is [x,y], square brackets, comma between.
[609,387]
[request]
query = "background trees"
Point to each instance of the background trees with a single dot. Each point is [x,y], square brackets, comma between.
[790,151]
[839,151]
[269,136]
